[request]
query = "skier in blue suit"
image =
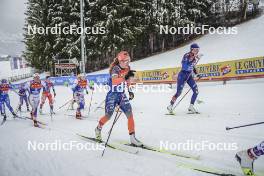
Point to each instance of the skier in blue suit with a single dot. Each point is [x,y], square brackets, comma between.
[4,98]
[186,75]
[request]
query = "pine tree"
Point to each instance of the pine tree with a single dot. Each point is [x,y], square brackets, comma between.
[39,46]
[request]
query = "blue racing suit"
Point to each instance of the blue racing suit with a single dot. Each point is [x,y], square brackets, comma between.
[185,75]
[4,98]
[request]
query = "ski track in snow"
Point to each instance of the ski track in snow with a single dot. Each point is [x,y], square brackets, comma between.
[237,103]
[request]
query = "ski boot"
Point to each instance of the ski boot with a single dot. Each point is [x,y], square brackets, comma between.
[192,110]
[35,123]
[98,135]
[14,115]
[78,115]
[134,141]
[170,107]
[4,117]
[246,160]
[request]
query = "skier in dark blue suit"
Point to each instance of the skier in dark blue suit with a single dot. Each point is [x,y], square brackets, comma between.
[186,75]
[4,98]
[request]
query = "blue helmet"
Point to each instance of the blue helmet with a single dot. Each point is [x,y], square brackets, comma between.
[194,45]
[4,81]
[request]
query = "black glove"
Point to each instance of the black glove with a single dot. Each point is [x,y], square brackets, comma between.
[131,95]
[130,74]
[87,92]
[199,76]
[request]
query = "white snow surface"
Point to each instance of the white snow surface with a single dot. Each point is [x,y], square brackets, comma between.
[248,42]
[236,103]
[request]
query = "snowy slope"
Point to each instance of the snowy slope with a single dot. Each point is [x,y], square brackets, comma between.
[238,102]
[247,43]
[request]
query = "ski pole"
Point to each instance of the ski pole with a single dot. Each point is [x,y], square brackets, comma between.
[90,103]
[252,124]
[184,96]
[118,114]
[65,104]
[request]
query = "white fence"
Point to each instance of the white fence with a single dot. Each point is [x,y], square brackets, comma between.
[14,74]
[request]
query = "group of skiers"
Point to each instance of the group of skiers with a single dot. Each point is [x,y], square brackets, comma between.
[120,76]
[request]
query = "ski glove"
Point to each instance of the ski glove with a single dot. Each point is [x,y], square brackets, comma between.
[130,74]
[199,76]
[131,95]
[91,87]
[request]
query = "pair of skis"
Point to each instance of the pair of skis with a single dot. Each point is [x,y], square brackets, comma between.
[121,145]
[174,114]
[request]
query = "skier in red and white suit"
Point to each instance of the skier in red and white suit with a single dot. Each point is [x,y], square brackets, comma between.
[47,94]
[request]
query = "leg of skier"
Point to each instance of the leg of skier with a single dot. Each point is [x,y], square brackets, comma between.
[180,84]
[8,105]
[247,157]
[26,100]
[110,104]
[191,82]
[2,108]
[127,109]
[20,103]
[50,102]
[43,100]
[34,102]
[81,103]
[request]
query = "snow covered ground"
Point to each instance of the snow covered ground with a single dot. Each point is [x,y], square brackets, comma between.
[248,42]
[236,103]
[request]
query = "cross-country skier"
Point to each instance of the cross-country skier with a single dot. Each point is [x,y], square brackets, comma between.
[22,92]
[79,86]
[47,94]
[186,75]
[4,98]
[247,157]
[120,73]
[34,88]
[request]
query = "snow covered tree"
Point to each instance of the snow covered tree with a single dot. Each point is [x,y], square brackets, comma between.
[39,43]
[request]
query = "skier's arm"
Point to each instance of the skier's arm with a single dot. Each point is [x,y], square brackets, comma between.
[12,88]
[116,79]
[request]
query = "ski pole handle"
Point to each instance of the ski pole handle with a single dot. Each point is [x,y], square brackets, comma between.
[252,124]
